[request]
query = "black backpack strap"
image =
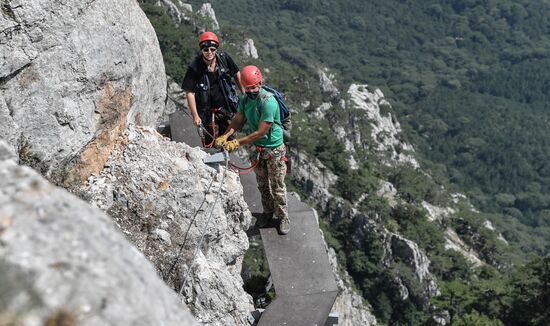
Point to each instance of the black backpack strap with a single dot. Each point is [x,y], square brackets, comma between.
[222,61]
[229,93]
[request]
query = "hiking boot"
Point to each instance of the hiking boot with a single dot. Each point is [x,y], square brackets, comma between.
[263,219]
[284,226]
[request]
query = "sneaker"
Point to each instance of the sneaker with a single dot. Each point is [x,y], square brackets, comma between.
[284,226]
[263,219]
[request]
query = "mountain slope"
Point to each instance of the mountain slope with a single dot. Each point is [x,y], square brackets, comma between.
[469,81]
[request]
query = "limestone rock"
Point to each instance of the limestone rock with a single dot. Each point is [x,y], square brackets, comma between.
[316,181]
[208,11]
[74,74]
[387,191]
[176,99]
[250,49]
[453,242]
[385,130]
[7,152]
[326,81]
[63,260]
[321,111]
[410,253]
[436,213]
[314,177]
[158,184]
[176,10]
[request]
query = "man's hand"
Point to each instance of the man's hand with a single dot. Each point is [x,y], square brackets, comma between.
[231,145]
[220,141]
[193,108]
[197,120]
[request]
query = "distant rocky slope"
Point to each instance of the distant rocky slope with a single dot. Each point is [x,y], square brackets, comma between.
[63,262]
[365,125]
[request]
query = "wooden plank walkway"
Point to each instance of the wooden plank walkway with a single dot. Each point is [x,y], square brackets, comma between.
[301,273]
[302,276]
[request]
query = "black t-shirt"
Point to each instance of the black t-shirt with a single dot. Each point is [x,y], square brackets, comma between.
[195,80]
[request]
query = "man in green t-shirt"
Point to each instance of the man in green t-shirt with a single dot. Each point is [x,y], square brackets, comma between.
[260,111]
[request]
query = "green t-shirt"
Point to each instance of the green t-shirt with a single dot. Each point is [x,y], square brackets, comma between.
[269,113]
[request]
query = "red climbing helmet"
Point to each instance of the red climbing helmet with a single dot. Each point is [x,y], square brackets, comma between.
[251,76]
[210,38]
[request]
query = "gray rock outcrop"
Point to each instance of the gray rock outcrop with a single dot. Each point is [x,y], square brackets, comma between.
[316,180]
[7,152]
[409,252]
[249,49]
[326,82]
[63,262]
[176,100]
[314,177]
[176,10]
[77,71]
[385,131]
[207,11]
[152,188]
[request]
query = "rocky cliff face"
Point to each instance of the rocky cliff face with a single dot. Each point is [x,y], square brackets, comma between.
[177,10]
[385,131]
[162,196]
[76,71]
[81,85]
[368,130]
[363,123]
[381,138]
[207,11]
[316,179]
[249,49]
[63,262]
[326,81]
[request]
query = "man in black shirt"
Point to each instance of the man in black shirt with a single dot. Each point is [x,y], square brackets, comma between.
[210,89]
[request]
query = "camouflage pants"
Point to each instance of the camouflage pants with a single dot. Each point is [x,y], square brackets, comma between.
[270,175]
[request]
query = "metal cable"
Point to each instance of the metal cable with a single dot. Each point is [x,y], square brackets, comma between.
[205,227]
[188,228]
[190,116]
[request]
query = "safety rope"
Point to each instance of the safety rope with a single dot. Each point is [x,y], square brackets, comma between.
[188,228]
[200,129]
[248,169]
[213,112]
[205,227]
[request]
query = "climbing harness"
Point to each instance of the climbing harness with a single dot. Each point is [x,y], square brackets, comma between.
[214,134]
[242,171]
[267,153]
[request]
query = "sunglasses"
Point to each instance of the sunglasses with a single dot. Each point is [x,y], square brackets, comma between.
[206,50]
